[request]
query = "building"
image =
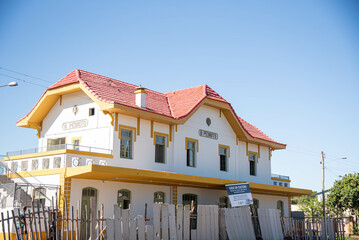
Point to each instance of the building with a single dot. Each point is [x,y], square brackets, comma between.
[132,146]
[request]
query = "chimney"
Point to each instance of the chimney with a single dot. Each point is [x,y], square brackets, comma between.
[140,93]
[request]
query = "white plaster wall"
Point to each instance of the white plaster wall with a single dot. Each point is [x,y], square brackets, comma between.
[268,201]
[204,196]
[207,163]
[98,133]
[107,195]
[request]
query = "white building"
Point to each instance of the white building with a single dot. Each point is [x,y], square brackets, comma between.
[133,146]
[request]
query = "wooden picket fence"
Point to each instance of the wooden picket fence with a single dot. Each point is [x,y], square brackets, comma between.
[169,222]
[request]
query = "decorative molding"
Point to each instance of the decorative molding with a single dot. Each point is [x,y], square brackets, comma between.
[128,128]
[57,162]
[116,121]
[224,146]
[192,140]
[170,131]
[151,128]
[138,126]
[161,134]
[45,163]
[111,116]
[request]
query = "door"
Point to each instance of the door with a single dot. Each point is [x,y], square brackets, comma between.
[87,193]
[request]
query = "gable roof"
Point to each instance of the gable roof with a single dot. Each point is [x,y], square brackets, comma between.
[176,105]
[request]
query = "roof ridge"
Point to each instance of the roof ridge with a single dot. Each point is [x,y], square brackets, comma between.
[126,83]
[184,89]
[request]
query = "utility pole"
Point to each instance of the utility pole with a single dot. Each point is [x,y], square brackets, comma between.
[323,195]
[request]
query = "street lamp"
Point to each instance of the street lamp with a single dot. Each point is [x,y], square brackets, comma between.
[11,84]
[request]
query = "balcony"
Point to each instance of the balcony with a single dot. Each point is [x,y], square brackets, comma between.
[55,157]
[60,147]
[280,176]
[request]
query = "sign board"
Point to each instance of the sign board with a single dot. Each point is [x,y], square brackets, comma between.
[75,124]
[208,134]
[239,194]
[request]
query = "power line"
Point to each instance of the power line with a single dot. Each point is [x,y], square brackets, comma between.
[22,80]
[26,75]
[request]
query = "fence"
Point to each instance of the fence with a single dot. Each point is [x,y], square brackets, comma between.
[168,222]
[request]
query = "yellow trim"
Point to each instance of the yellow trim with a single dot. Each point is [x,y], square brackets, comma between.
[176,127]
[160,134]
[61,100]
[247,149]
[37,173]
[280,179]
[170,131]
[128,128]
[270,153]
[57,152]
[124,174]
[192,140]
[224,146]
[140,91]
[38,128]
[249,154]
[151,129]
[111,116]
[138,126]
[259,151]
[237,140]
[75,138]
[116,122]
[220,113]
[174,194]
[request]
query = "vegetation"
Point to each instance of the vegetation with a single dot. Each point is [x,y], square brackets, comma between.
[344,196]
[309,204]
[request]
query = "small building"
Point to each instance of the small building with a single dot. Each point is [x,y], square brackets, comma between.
[128,145]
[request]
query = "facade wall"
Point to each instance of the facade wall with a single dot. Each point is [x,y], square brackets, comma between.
[97,133]
[100,134]
[269,201]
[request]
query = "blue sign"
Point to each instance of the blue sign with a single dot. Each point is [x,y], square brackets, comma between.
[239,194]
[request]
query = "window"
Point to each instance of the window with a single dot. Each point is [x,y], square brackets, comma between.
[159,197]
[275,183]
[124,199]
[280,184]
[160,148]
[91,111]
[285,184]
[56,144]
[191,199]
[39,195]
[223,157]
[126,143]
[76,143]
[252,164]
[191,148]
[280,207]
[223,202]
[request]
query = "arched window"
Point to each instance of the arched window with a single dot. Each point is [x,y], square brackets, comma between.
[280,208]
[191,199]
[159,197]
[124,198]
[39,195]
[223,202]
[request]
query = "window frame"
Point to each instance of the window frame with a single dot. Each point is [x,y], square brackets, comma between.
[128,206]
[254,163]
[156,198]
[91,111]
[133,139]
[41,198]
[227,156]
[280,207]
[195,150]
[51,147]
[165,144]
[75,146]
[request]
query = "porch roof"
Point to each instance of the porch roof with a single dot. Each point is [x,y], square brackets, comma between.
[121,174]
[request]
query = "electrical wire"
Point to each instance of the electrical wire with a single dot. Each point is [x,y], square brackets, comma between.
[26,75]
[22,80]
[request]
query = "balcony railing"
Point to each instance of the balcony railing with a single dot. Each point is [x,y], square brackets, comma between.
[60,147]
[280,176]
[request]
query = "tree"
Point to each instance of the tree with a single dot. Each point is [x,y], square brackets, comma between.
[344,195]
[310,205]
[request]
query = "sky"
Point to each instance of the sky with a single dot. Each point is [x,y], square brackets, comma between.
[291,68]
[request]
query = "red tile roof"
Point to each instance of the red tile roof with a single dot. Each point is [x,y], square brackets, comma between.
[176,104]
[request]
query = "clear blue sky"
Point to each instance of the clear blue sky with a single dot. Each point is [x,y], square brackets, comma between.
[291,68]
